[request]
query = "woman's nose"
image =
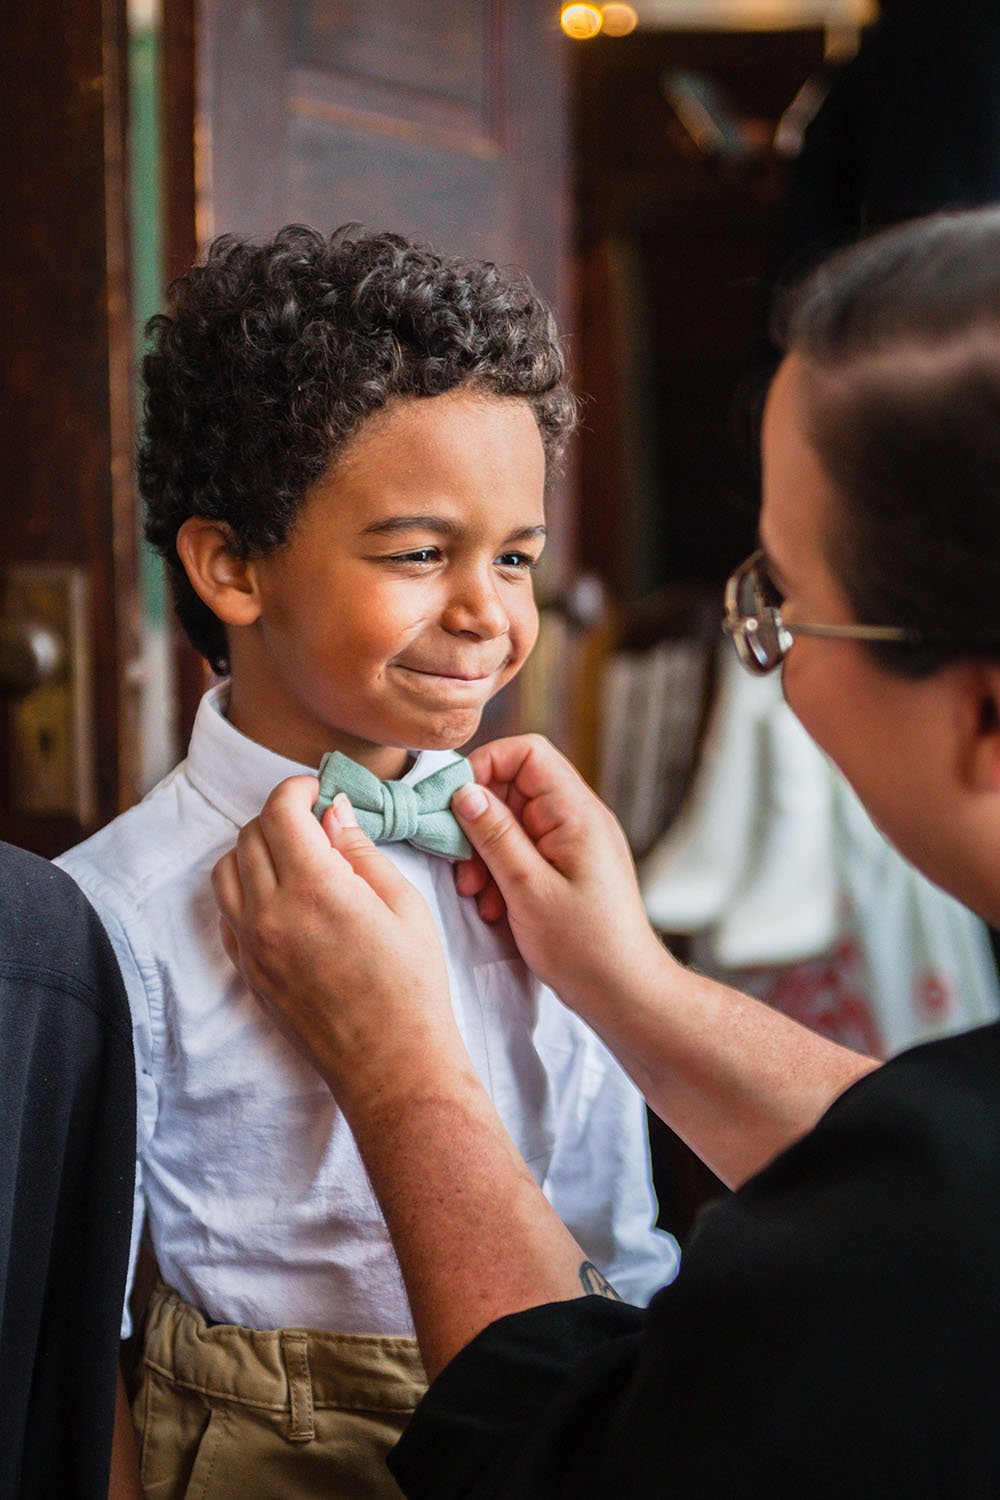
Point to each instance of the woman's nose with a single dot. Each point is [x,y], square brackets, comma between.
[475,608]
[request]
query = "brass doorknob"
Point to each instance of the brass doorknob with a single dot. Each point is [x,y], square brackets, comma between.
[31,653]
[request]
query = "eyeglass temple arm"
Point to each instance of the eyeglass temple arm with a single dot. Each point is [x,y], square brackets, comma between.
[857,632]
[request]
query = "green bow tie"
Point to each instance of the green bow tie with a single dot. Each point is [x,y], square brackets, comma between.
[391,811]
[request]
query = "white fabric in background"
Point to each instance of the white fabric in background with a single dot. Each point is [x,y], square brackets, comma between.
[774,864]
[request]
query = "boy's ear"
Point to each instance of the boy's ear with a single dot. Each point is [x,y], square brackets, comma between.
[982,728]
[220,578]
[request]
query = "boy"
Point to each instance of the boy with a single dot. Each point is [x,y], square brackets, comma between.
[344,465]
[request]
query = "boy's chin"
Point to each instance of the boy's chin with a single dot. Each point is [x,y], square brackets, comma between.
[451,734]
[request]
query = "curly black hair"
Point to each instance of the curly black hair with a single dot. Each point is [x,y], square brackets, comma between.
[272,355]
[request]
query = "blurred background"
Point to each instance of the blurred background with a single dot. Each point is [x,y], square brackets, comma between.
[660,169]
[631,158]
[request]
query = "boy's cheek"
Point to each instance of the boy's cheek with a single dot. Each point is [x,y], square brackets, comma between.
[513,667]
[525,639]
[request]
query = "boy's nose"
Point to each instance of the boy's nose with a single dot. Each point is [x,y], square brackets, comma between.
[477,609]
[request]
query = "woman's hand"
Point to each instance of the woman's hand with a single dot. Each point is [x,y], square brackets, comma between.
[340,946]
[549,851]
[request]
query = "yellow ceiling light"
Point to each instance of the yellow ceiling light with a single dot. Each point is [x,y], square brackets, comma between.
[619,20]
[581,21]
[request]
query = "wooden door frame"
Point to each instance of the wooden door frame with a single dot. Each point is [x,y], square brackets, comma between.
[68,416]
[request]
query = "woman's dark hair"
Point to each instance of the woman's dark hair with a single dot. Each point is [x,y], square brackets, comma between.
[272,356]
[899,340]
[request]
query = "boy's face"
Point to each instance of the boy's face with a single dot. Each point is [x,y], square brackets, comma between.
[403,599]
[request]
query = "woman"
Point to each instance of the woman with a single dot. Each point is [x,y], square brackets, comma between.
[835,1326]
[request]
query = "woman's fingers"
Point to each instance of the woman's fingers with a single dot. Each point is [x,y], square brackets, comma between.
[490,903]
[254,862]
[364,858]
[228,888]
[497,836]
[471,875]
[526,765]
[291,832]
[229,943]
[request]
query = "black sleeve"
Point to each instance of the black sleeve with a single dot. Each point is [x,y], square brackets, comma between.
[832,1330]
[483,1409]
[67,1161]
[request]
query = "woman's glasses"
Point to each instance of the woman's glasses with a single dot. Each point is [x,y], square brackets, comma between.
[752,620]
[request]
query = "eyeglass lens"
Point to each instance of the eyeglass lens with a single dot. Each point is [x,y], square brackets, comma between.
[758,603]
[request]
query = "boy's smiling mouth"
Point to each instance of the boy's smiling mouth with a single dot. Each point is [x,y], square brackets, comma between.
[452,674]
[449,682]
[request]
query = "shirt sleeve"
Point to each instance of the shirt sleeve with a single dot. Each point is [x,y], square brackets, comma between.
[599,1179]
[147,1096]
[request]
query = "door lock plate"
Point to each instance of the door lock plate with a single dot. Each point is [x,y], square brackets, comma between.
[51,743]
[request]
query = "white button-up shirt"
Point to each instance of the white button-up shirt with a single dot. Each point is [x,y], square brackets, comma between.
[258,1206]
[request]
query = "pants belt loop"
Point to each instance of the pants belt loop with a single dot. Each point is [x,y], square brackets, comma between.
[295,1351]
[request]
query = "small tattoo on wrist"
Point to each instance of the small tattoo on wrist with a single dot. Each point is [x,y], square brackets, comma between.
[595,1284]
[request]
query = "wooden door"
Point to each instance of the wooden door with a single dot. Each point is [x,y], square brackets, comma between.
[67,559]
[445,119]
[442,118]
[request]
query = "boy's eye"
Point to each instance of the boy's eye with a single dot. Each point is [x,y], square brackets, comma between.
[420,555]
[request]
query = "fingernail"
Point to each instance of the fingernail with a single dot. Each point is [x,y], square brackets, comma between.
[471,801]
[343,811]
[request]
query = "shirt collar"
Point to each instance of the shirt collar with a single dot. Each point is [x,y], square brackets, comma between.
[236,774]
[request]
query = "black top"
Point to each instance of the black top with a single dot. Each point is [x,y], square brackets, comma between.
[834,1333]
[67,1153]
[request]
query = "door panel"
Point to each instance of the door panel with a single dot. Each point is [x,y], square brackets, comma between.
[442,118]
[389,176]
[434,75]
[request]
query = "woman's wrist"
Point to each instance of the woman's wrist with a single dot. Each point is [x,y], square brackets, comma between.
[634,970]
[403,1077]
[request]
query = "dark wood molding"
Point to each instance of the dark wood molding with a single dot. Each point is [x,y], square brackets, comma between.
[180,135]
[121,410]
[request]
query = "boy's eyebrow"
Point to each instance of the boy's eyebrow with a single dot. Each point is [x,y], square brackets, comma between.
[527,534]
[440,525]
[392,524]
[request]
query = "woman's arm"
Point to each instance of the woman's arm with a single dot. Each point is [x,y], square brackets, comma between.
[735,1079]
[345,952]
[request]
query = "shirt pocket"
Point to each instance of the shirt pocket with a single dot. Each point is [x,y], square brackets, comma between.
[516,1077]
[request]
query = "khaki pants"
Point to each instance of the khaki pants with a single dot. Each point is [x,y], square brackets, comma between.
[228,1413]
